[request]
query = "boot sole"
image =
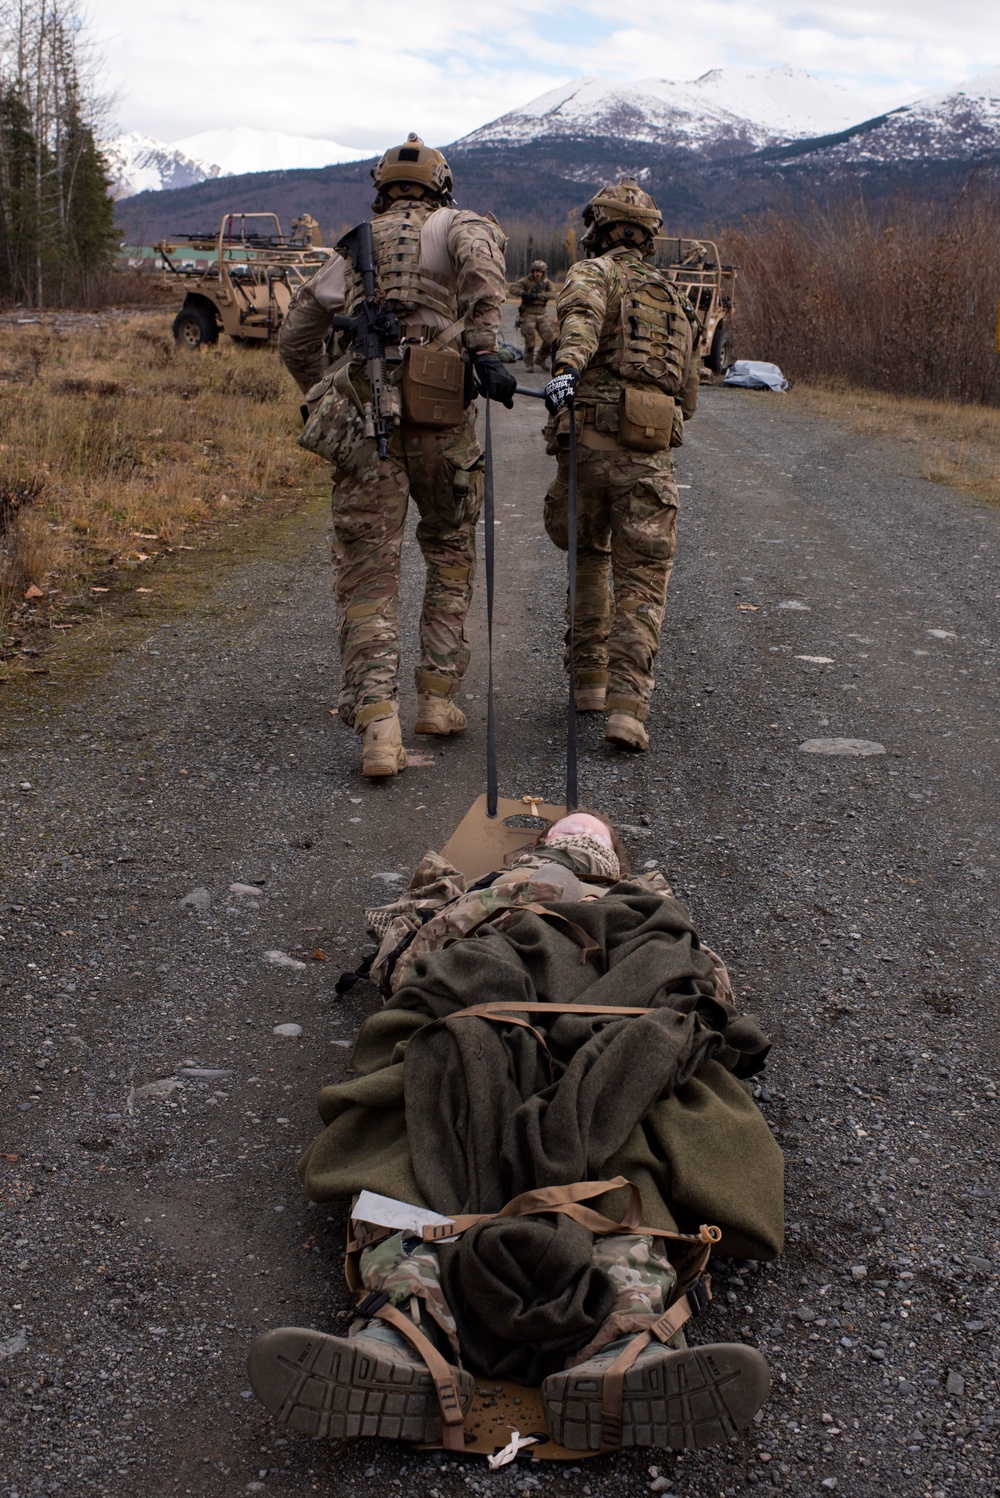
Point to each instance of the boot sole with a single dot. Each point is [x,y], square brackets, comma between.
[381,768]
[683,1401]
[441,733]
[331,1386]
[621,742]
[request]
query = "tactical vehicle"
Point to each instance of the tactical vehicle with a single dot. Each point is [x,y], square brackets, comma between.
[245,288]
[697,268]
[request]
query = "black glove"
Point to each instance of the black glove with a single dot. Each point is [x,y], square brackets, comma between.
[560,389]
[495,381]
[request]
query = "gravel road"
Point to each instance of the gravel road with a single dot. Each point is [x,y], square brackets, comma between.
[177,802]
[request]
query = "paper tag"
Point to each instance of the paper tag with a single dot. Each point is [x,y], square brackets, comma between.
[387,1212]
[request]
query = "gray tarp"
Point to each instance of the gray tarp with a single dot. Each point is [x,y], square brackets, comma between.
[754,374]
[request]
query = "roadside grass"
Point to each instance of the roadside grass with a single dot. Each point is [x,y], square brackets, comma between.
[117,448]
[958,445]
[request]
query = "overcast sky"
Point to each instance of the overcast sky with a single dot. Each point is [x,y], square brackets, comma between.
[364,72]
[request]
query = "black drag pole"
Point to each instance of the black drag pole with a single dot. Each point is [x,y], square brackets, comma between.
[489,510]
[572,799]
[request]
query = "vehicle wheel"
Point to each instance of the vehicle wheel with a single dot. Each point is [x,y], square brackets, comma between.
[720,356]
[194,326]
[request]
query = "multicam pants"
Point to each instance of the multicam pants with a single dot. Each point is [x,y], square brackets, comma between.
[626,529]
[644,1279]
[441,469]
[533,323]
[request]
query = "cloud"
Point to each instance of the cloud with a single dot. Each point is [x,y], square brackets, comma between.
[366,73]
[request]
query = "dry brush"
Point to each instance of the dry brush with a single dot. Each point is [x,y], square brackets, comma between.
[116,447]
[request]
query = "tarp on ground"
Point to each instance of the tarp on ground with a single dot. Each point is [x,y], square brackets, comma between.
[755,374]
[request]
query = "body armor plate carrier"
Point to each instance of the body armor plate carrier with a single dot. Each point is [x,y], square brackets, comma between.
[401,282]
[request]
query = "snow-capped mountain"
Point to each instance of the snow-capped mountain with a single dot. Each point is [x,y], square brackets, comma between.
[732,108]
[961,124]
[138,163]
[244,150]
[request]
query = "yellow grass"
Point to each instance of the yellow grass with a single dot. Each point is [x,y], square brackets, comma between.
[116,447]
[956,444]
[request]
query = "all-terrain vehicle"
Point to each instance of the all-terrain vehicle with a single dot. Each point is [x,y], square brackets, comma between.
[697,268]
[245,289]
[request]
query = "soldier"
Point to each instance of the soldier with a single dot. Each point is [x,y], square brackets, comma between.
[535,289]
[625,358]
[441,270]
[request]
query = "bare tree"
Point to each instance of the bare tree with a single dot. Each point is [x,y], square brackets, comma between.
[55,219]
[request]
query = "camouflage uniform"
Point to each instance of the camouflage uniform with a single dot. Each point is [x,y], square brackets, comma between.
[452,268]
[627,500]
[409,1272]
[532,319]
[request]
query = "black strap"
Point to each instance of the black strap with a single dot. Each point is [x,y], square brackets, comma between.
[571,522]
[489,510]
[346,981]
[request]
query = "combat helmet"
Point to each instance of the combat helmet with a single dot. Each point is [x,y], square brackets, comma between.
[411,165]
[620,214]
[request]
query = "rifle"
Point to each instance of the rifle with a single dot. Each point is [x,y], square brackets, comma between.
[371,329]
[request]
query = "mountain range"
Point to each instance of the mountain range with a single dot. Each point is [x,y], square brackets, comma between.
[730,142]
[139,163]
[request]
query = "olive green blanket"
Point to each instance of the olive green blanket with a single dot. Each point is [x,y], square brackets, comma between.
[461,1114]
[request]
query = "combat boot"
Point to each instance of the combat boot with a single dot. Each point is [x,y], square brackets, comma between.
[529,361]
[626,732]
[590,691]
[438,714]
[371,1383]
[681,1400]
[382,751]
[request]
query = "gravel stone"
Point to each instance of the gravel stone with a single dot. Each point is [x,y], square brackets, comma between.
[852,748]
[154,1254]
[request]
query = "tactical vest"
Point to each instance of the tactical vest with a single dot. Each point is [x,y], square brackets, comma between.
[533,295]
[401,282]
[646,339]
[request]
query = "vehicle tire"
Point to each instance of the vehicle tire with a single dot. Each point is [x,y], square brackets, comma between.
[720,356]
[194,326]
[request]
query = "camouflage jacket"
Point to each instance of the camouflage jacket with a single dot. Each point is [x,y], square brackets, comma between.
[534,294]
[589,307]
[456,246]
[438,908]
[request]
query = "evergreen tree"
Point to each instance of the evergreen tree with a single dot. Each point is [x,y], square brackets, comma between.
[56,229]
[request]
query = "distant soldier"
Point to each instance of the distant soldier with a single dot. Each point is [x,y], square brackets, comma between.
[305,230]
[625,357]
[535,290]
[441,270]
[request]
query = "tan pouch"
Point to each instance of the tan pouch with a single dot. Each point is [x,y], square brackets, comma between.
[647,420]
[433,386]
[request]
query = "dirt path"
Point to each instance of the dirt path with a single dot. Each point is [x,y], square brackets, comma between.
[147,1235]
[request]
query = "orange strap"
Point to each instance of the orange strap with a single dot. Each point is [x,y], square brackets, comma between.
[497,1008]
[590,948]
[668,1325]
[567,1200]
[503,1013]
[443,1374]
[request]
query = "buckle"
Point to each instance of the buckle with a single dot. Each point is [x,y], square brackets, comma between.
[373,1301]
[699,1295]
